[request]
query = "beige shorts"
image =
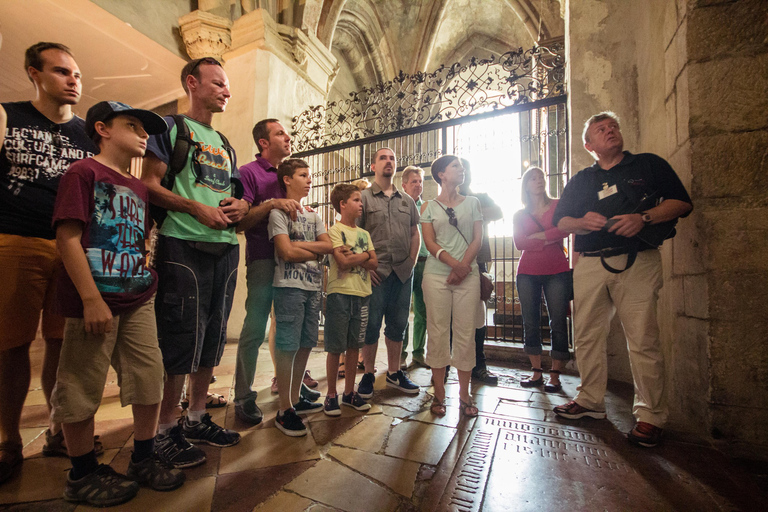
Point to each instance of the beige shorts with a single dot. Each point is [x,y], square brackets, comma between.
[28,270]
[132,350]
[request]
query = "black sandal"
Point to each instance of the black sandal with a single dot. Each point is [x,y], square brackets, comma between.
[530,383]
[553,388]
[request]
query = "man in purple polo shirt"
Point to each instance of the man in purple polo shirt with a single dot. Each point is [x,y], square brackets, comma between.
[260,183]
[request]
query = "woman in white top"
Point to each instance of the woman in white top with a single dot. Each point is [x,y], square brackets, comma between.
[452,226]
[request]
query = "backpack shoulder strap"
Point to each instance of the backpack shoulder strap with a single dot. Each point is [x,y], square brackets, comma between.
[180,151]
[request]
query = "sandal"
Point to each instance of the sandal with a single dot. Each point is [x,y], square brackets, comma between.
[438,407]
[468,409]
[531,383]
[549,387]
[9,465]
[342,372]
[214,401]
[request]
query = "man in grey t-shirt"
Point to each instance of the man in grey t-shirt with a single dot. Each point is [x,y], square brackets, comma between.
[391,217]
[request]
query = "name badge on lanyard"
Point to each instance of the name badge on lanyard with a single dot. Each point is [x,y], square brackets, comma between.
[607,191]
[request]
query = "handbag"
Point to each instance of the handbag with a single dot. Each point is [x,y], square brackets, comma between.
[486,286]
[486,282]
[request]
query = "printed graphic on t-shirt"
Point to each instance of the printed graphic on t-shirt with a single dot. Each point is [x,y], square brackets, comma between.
[302,230]
[35,154]
[116,240]
[358,246]
[214,166]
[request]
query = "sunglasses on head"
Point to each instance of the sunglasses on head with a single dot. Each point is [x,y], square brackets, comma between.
[204,60]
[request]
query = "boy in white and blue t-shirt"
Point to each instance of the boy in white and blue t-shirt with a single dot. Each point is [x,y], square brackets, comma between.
[300,244]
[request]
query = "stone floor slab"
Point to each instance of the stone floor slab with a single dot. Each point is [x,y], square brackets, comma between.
[267,447]
[40,478]
[285,502]
[241,492]
[352,492]
[539,466]
[397,474]
[506,408]
[325,432]
[420,442]
[368,435]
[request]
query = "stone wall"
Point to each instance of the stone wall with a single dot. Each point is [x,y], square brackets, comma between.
[727,75]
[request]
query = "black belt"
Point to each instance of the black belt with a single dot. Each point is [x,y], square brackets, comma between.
[631,253]
[607,253]
[422,258]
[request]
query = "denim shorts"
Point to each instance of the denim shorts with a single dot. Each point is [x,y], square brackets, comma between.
[390,301]
[297,317]
[346,317]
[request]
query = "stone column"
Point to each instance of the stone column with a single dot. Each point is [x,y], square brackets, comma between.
[275,71]
[601,75]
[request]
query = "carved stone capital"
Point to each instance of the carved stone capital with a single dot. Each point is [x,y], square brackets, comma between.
[205,34]
[304,53]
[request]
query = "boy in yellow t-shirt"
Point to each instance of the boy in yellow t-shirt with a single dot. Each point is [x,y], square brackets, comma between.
[349,290]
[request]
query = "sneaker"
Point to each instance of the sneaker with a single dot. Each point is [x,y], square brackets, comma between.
[365,388]
[404,361]
[399,380]
[155,475]
[646,435]
[308,380]
[304,406]
[355,401]
[573,411]
[290,424]
[249,412]
[103,488]
[174,450]
[484,376]
[206,431]
[309,394]
[273,389]
[331,406]
[55,446]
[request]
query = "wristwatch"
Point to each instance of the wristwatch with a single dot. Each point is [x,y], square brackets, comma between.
[646,217]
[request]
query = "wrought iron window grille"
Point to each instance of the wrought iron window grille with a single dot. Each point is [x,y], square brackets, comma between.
[480,85]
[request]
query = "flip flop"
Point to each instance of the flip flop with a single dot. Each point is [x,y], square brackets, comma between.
[214,401]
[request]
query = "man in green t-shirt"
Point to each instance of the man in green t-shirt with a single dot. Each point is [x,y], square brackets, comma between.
[196,259]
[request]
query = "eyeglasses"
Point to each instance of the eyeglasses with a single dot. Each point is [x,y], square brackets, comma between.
[452,217]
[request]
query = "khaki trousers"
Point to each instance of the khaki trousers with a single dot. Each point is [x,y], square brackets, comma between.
[633,294]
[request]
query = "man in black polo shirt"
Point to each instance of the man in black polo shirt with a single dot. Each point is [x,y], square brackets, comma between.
[621,209]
